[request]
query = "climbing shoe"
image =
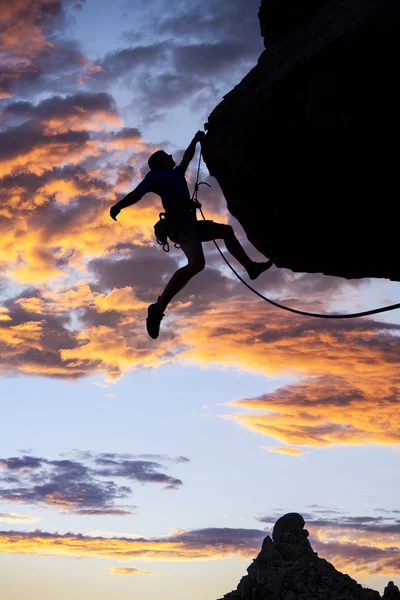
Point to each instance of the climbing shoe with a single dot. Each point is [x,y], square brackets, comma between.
[154,317]
[258,268]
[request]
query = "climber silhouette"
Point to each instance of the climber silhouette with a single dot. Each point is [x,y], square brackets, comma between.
[169,182]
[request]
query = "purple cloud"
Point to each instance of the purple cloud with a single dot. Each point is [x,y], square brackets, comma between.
[85,486]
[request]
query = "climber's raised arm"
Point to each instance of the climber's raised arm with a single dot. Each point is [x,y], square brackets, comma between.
[132,198]
[190,150]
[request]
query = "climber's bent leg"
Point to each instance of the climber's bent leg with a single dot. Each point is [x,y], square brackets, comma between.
[218,231]
[196,262]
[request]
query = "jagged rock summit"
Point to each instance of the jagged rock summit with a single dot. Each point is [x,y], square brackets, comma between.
[306,147]
[287,568]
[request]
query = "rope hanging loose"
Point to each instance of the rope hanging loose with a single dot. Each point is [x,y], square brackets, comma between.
[304,313]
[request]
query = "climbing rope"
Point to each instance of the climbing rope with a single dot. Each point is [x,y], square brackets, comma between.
[364,313]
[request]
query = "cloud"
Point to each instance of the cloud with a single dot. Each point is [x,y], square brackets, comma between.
[125,176]
[85,486]
[213,21]
[128,571]
[57,114]
[56,192]
[76,332]
[128,138]
[21,21]
[49,61]
[362,561]
[208,60]
[29,148]
[108,335]
[290,450]
[336,520]
[352,550]
[17,518]
[327,410]
[135,470]
[42,143]
[30,339]
[347,374]
[20,464]
[145,269]
[201,544]
[151,74]
[202,49]
[124,62]
[366,545]
[166,90]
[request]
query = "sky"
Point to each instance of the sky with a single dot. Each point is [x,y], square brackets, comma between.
[131,467]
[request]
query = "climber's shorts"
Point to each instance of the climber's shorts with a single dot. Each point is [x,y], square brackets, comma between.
[185,228]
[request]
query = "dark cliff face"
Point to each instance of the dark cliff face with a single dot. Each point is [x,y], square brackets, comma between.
[287,568]
[277,16]
[306,148]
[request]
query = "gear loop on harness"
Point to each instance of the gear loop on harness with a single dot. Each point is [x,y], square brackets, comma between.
[161,232]
[364,313]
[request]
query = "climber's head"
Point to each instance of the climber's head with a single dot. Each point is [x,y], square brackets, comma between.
[161,160]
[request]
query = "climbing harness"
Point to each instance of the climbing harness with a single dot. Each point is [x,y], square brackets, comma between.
[364,313]
[169,227]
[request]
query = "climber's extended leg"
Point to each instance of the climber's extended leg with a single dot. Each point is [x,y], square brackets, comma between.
[190,239]
[218,231]
[196,262]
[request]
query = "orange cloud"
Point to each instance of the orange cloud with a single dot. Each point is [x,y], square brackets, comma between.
[82,120]
[164,549]
[349,374]
[66,298]
[52,151]
[34,337]
[55,212]
[89,69]
[129,139]
[345,392]
[21,20]
[26,334]
[32,305]
[290,450]
[111,351]
[39,267]
[122,571]
[32,247]
[356,553]
[69,190]
[266,340]
[31,347]
[122,299]
[325,411]
[4,316]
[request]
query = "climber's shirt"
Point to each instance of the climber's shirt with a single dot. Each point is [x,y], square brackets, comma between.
[171,186]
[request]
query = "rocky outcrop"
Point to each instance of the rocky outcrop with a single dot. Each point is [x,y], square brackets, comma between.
[391,592]
[287,568]
[306,148]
